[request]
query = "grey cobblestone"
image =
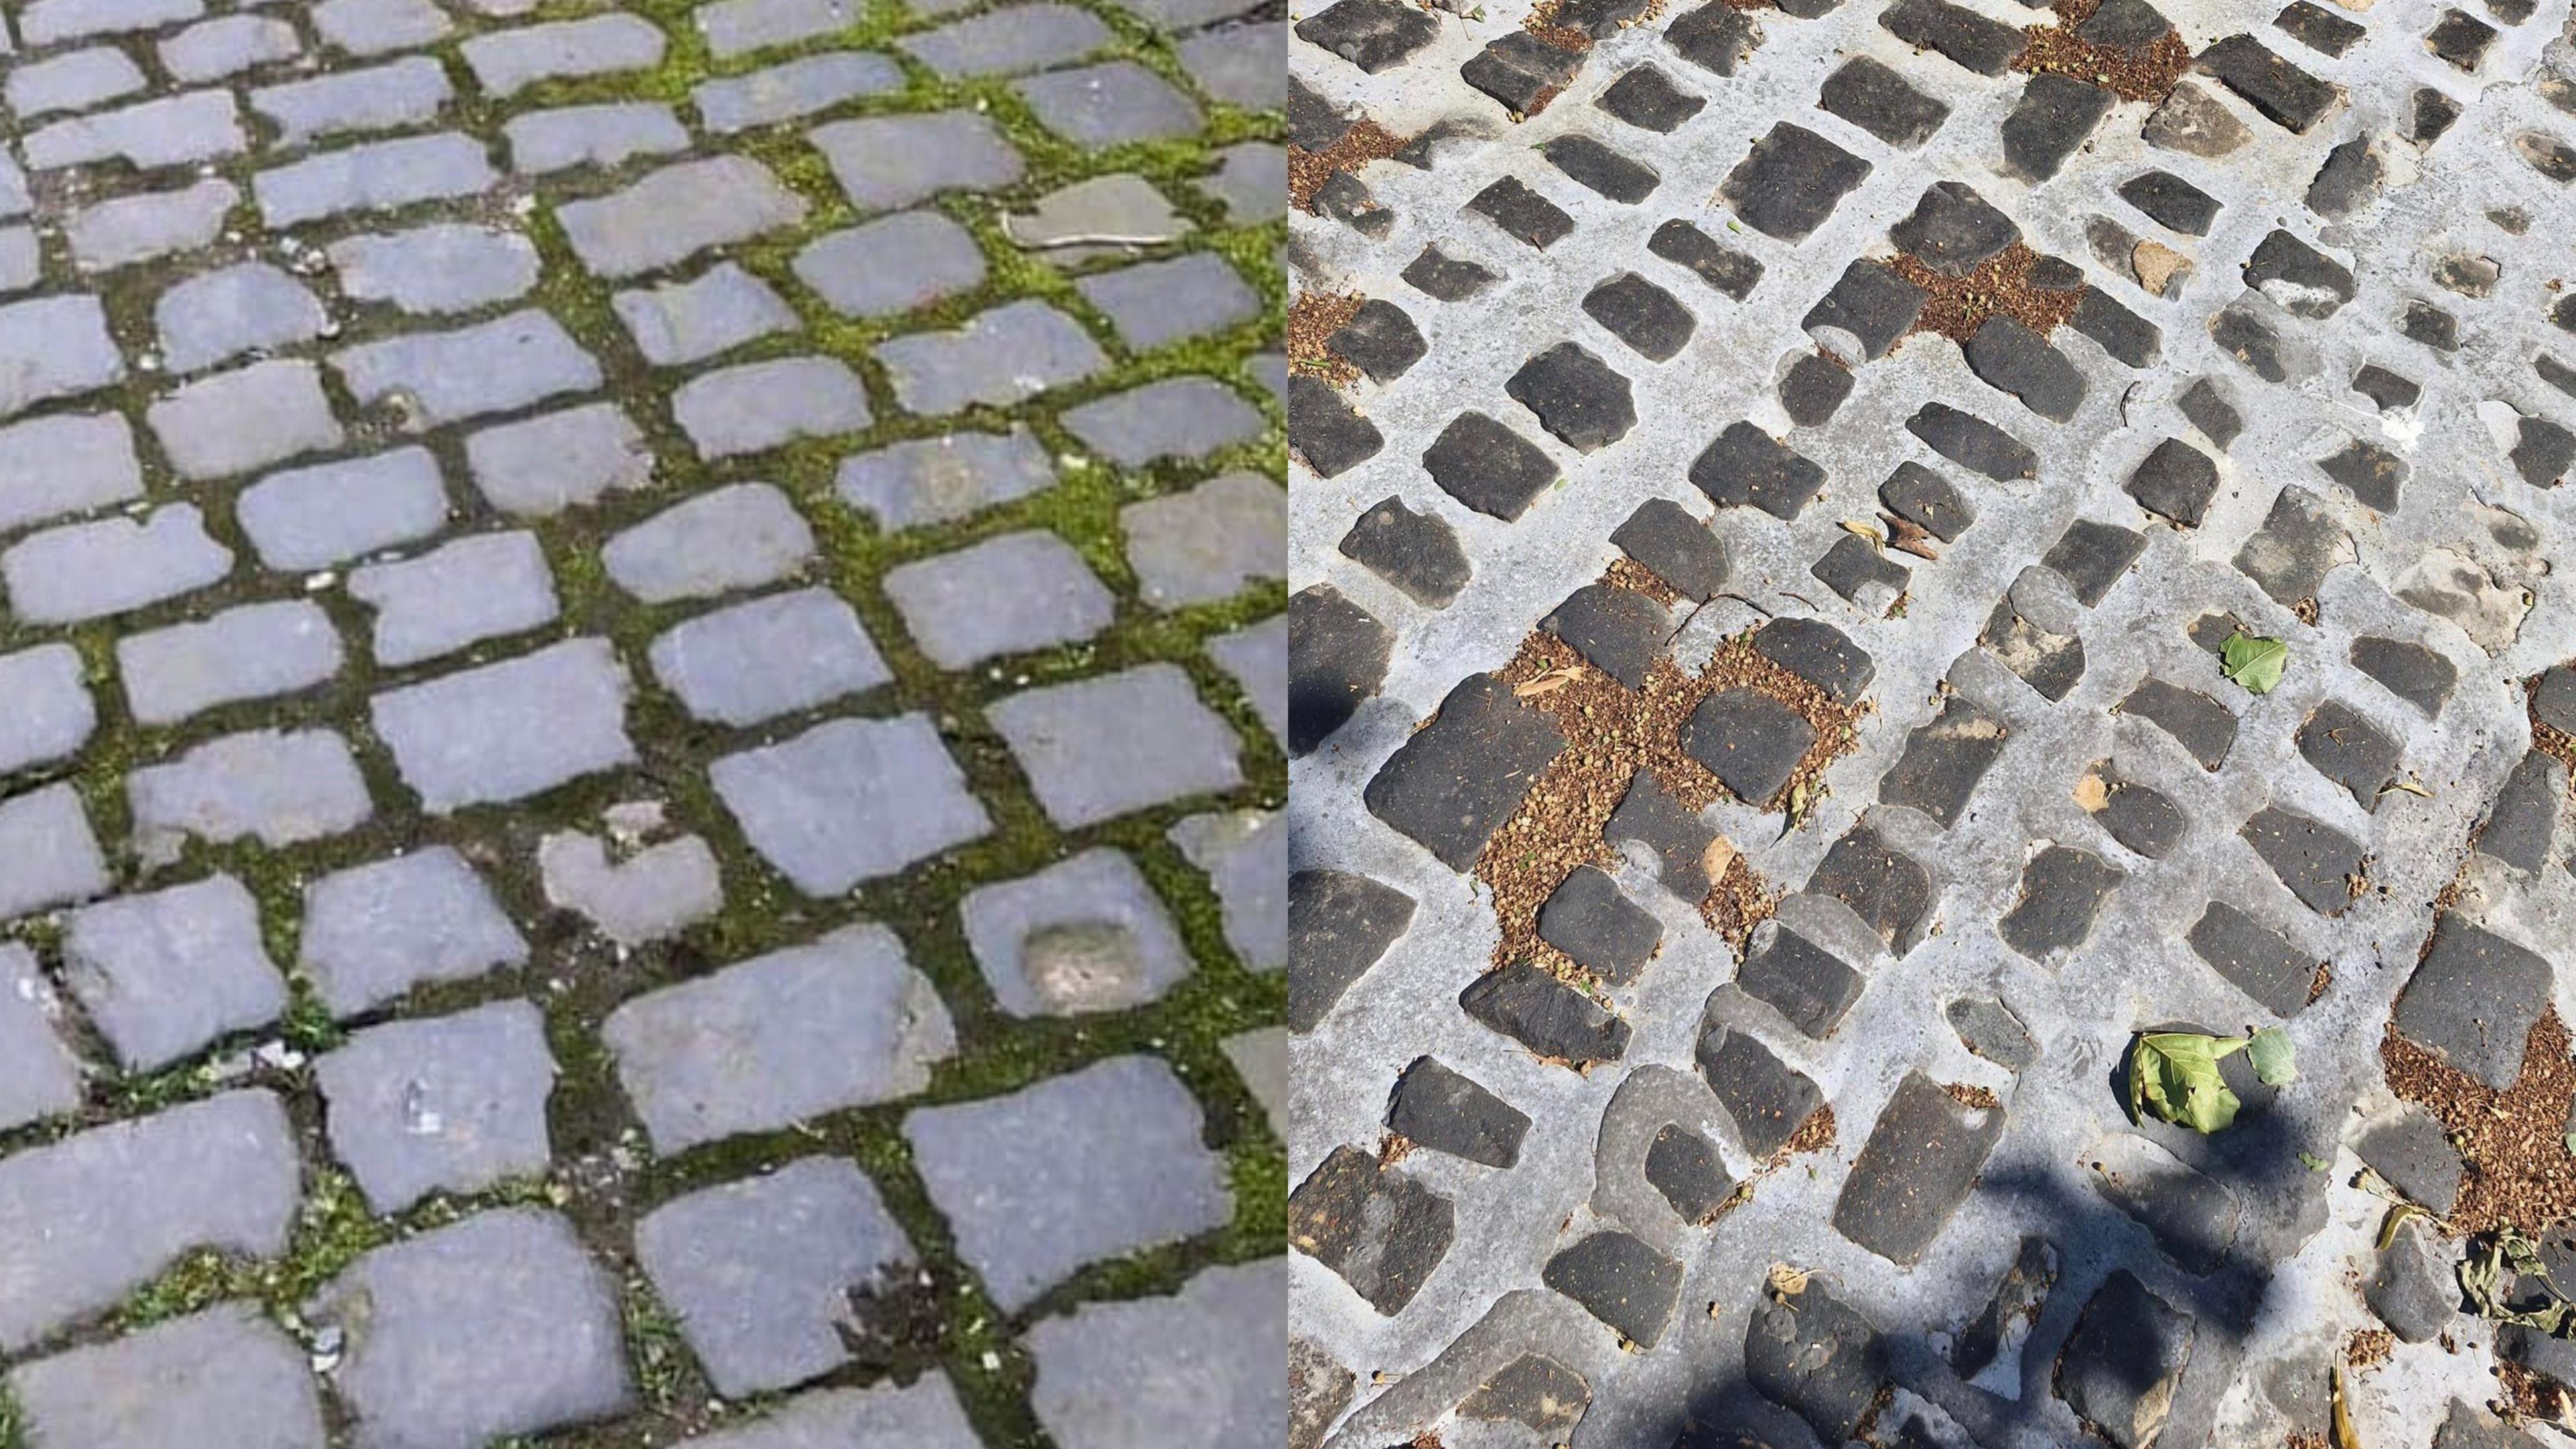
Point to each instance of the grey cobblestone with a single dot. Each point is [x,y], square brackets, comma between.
[377,176]
[65,464]
[198,126]
[215,317]
[793,89]
[506,62]
[491,367]
[451,1104]
[232,1376]
[237,421]
[568,459]
[256,651]
[277,787]
[405,92]
[509,730]
[461,593]
[54,347]
[373,932]
[88,571]
[1006,595]
[607,134]
[732,538]
[437,268]
[677,212]
[164,974]
[309,518]
[850,801]
[678,323]
[134,229]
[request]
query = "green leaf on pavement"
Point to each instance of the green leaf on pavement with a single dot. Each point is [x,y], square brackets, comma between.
[2494,1276]
[2174,1075]
[2313,1162]
[2270,1052]
[2253,662]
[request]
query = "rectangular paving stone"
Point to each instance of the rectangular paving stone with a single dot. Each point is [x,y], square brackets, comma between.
[74,81]
[485,587]
[377,27]
[1007,595]
[311,518]
[84,571]
[675,213]
[739,537]
[1090,1165]
[407,92]
[277,787]
[508,730]
[885,162]
[771,656]
[443,267]
[64,464]
[1208,543]
[1244,854]
[498,366]
[373,932]
[757,406]
[49,22]
[506,62]
[163,975]
[1012,40]
[87,1220]
[760,1272]
[224,47]
[1083,935]
[999,357]
[498,1326]
[39,1076]
[1181,418]
[677,323]
[452,1104]
[223,1376]
[793,89]
[220,315]
[925,1415]
[173,131]
[605,134]
[1257,658]
[543,465]
[1198,1367]
[1111,104]
[256,651]
[850,801]
[52,347]
[893,264]
[130,229]
[1920,1163]
[48,854]
[843,1022]
[236,421]
[378,176]
[739,27]
[936,480]
[1099,748]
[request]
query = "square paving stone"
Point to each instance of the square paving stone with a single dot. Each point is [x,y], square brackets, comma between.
[1488,467]
[1523,214]
[446,267]
[1806,983]
[759,1272]
[1437,1108]
[1094,1164]
[1747,467]
[1599,169]
[2285,94]
[2349,750]
[1449,279]
[483,587]
[1087,934]
[1153,303]
[1944,759]
[1325,432]
[2063,890]
[1244,854]
[2415,1154]
[2522,823]
[771,656]
[330,513]
[2010,357]
[50,712]
[1006,595]
[1982,45]
[1594,923]
[1953,230]
[678,323]
[1416,552]
[886,162]
[510,730]
[491,367]
[1685,1168]
[87,1220]
[850,801]
[2176,481]
[1651,321]
[216,316]
[1813,388]
[1920,1163]
[2257,960]
[1099,748]
[2054,117]
[2321,865]
[2299,543]
[1892,891]
[162,975]
[454,1104]
[672,214]
[1621,1281]
[1751,742]
[1868,309]
[2474,999]
[54,347]
[1973,443]
[1337,656]
[1618,631]
[1860,571]
[1791,182]
[1716,38]
[39,1076]
[223,1376]
[892,265]
[1339,925]
[2092,556]
[1381,1230]
[499,1325]
[845,1021]
[372,932]
[1766,1099]
[1455,782]
[1379,339]
[1812,1353]
[1208,543]
[1197,1368]
[1818,653]
[1180,417]
[739,537]
[1521,72]
[1879,101]
[1927,500]
[66,463]
[1558,1022]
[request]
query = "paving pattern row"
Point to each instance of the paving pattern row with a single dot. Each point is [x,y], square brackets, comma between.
[1783,491]
[642,700]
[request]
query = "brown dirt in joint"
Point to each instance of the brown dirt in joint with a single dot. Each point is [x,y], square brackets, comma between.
[1999,287]
[2367,1348]
[1813,1135]
[1312,320]
[1967,1094]
[2548,739]
[2517,1170]
[1541,22]
[1611,733]
[1364,142]
[2528,1396]
[2133,73]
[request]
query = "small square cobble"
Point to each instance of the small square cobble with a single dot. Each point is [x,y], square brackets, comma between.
[850,801]
[757,406]
[540,466]
[843,1022]
[278,787]
[257,651]
[891,265]
[509,730]
[162,975]
[1198,1367]
[66,463]
[51,713]
[1208,543]
[1006,595]
[733,538]
[1090,1165]
[885,162]
[39,1076]
[49,854]
[678,323]
[673,214]
[771,656]
[223,1376]
[1099,748]
[462,593]
[1244,854]
[937,480]
[453,1104]
[373,932]
[329,513]
[235,422]
[760,1272]
[1084,935]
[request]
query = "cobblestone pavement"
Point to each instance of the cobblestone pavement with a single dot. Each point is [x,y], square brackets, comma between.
[1775,486]
[641,706]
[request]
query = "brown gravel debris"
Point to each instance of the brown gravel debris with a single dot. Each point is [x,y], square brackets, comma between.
[2133,73]
[2529,1396]
[1970,1095]
[1393,1148]
[1813,1135]
[1313,318]
[1960,305]
[2367,1348]
[2549,739]
[2517,1170]
[2318,983]
[1611,733]
[1364,142]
